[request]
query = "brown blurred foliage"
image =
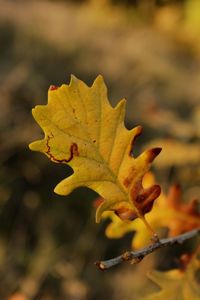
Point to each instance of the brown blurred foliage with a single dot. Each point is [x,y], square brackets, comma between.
[147,51]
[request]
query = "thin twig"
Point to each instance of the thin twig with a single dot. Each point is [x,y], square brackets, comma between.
[137,256]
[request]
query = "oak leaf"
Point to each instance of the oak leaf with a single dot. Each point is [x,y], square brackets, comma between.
[84,131]
[177,284]
[169,212]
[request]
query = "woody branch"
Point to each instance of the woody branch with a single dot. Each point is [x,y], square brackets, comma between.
[136,256]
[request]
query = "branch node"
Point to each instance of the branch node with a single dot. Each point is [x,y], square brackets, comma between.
[155,239]
[126,256]
[137,260]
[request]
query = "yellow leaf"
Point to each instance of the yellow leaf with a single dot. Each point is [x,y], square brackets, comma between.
[177,284]
[84,131]
[169,212]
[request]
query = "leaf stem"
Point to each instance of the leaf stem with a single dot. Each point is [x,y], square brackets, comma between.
[137,256]
[154,237]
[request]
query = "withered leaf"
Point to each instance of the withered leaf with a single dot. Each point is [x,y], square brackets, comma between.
[169,211]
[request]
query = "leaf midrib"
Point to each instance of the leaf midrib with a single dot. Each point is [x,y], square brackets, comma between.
[115,176]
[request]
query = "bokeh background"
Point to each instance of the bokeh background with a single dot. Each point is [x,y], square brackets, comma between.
[148,52]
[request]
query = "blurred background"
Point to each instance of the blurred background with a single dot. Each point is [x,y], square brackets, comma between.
[148,52]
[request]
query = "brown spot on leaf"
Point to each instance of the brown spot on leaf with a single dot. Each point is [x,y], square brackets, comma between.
[144,201]
[125,213]
[152,153]
[127,182]
[98,201]
[73,152]
[94,141]
[53,87]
